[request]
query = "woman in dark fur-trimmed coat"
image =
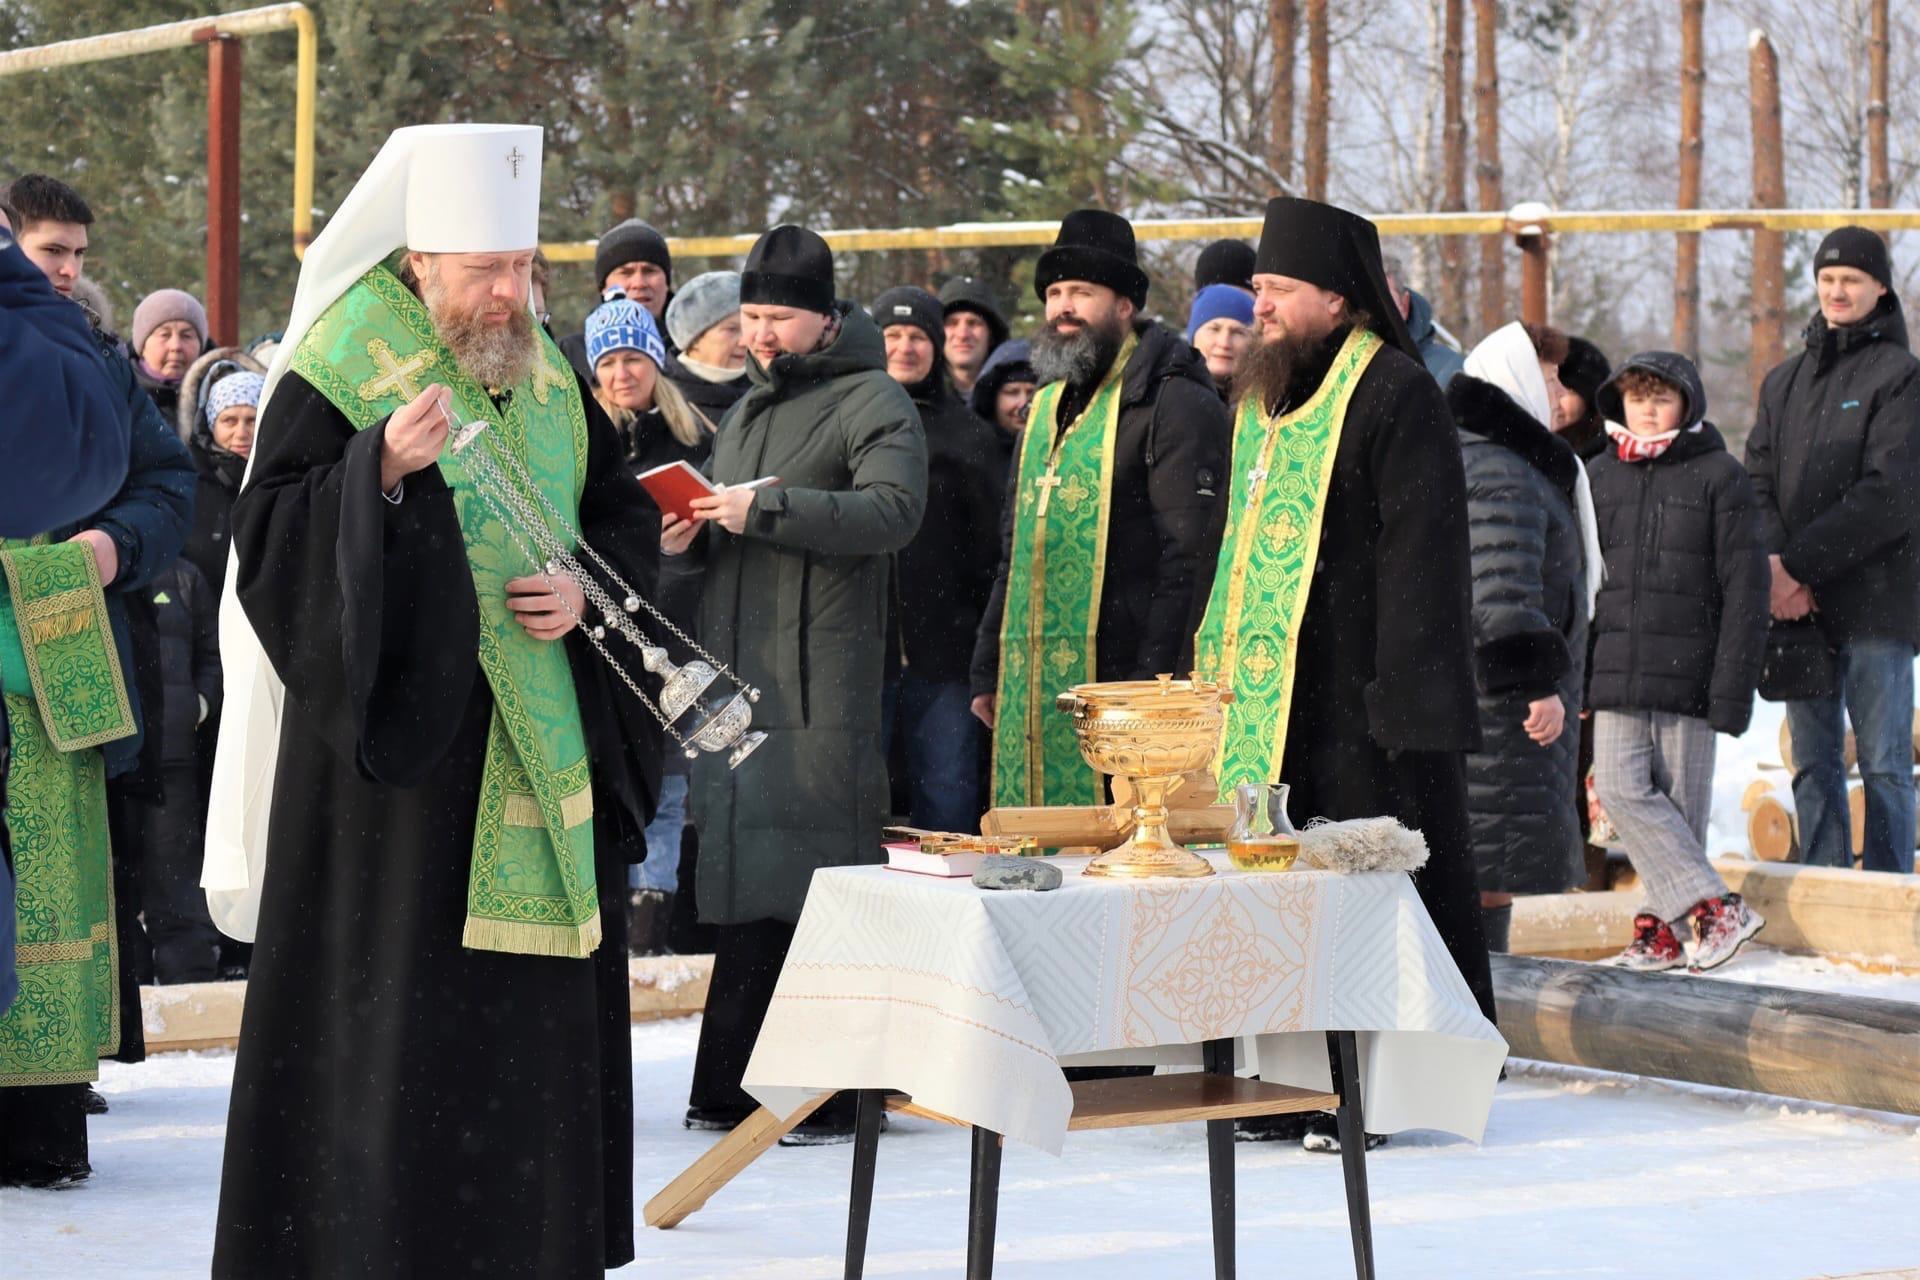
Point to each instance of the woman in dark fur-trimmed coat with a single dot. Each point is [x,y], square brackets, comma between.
[1531,606]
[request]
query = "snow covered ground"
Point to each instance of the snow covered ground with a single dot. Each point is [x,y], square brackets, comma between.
[1582,1175]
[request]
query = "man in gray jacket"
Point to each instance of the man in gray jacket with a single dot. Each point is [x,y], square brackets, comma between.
[796,600]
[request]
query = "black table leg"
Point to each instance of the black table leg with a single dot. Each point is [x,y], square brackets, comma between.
[1343,1048]
[866,1153]
[1217,1059]
[983,1203]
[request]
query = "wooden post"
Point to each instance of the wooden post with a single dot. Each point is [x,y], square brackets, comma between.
[1686,258]
[1486,128]
[1769,308]
[223,190]
[1879,181]
[1319,98]
[1453,141]
[1282,22]
[1850,1050]
[1535,274]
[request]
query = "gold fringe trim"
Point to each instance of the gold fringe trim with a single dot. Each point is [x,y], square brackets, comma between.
[59,627]
[27,953]
[523,809]
[570,941]
[57,1077]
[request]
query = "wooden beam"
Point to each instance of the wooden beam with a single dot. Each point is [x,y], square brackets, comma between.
[206,1015]
[724,1161]
[1686,263]
[1769,315]
[1849,1050]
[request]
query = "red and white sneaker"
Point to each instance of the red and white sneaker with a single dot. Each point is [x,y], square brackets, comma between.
[1654,949]
[1720,926]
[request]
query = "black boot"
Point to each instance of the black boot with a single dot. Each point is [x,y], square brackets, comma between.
[649,911]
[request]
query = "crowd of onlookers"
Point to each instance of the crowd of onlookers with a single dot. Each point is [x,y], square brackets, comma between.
[1633,582]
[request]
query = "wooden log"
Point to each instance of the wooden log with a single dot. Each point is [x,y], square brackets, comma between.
[1862,917]
[1869,917]
[1573,926]
[192,1015]
[1757,790]
[1771,832]
[1850,1050]
[206,1015]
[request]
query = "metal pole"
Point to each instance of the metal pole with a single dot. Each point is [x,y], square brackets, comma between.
[223,189]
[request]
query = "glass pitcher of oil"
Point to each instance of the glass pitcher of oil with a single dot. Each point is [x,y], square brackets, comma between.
[1263,838]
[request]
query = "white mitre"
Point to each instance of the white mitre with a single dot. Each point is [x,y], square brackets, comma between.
[433,188]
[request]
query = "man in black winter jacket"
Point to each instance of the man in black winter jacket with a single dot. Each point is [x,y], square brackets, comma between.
[1835,460]
[941,580]
[172,826]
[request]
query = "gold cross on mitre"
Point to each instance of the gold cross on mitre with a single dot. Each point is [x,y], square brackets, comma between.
[396,375]
[514,158]
[546,378]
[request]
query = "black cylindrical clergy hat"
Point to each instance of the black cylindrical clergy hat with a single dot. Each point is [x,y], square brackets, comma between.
[1095,246]
[1225,262]
[789,266]
[1338,251]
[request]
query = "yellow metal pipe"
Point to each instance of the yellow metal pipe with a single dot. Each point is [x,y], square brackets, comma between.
[1003,234]
[194,31]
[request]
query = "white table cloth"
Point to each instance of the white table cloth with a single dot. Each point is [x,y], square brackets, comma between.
[970,1000]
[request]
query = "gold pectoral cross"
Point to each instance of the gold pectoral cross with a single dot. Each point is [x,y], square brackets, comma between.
[1047,483]
[396,375]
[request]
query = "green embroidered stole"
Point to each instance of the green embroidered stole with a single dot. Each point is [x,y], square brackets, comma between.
[531,887]
[1057,569]
[63,684]
[1281,469]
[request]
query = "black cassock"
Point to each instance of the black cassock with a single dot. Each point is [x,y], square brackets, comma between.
[1383,693]
[403,1106]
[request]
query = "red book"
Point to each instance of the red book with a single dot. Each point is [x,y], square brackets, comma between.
[675,486]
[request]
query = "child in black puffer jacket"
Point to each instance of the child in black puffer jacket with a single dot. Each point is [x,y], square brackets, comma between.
[1679,638]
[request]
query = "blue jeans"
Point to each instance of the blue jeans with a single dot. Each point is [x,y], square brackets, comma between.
[1876,690]
[941,737]
[661,870]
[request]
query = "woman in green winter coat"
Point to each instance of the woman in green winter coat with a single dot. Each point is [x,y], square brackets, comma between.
[796,596]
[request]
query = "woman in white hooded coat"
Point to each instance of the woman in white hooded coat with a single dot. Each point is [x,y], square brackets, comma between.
[1531,528]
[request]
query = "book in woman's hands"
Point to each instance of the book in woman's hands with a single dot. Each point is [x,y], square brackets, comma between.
[675,486]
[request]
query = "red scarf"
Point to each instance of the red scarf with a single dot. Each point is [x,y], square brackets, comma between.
[1633,448]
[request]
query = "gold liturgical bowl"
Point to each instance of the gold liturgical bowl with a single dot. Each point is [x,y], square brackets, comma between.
[1152,733]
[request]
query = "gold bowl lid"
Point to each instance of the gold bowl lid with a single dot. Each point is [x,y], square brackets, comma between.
[1198,693]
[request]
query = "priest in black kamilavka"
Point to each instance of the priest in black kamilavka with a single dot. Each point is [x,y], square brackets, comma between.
[422,819]
[1109,525]
[1340,606]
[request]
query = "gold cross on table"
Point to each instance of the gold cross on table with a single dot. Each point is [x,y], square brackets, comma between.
[1046,484]
[514,158]
[546,378]
[396,375]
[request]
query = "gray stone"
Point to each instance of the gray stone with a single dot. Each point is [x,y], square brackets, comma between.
[997,871]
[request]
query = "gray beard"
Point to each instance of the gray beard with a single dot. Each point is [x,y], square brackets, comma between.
[495,356]
[1079,359]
